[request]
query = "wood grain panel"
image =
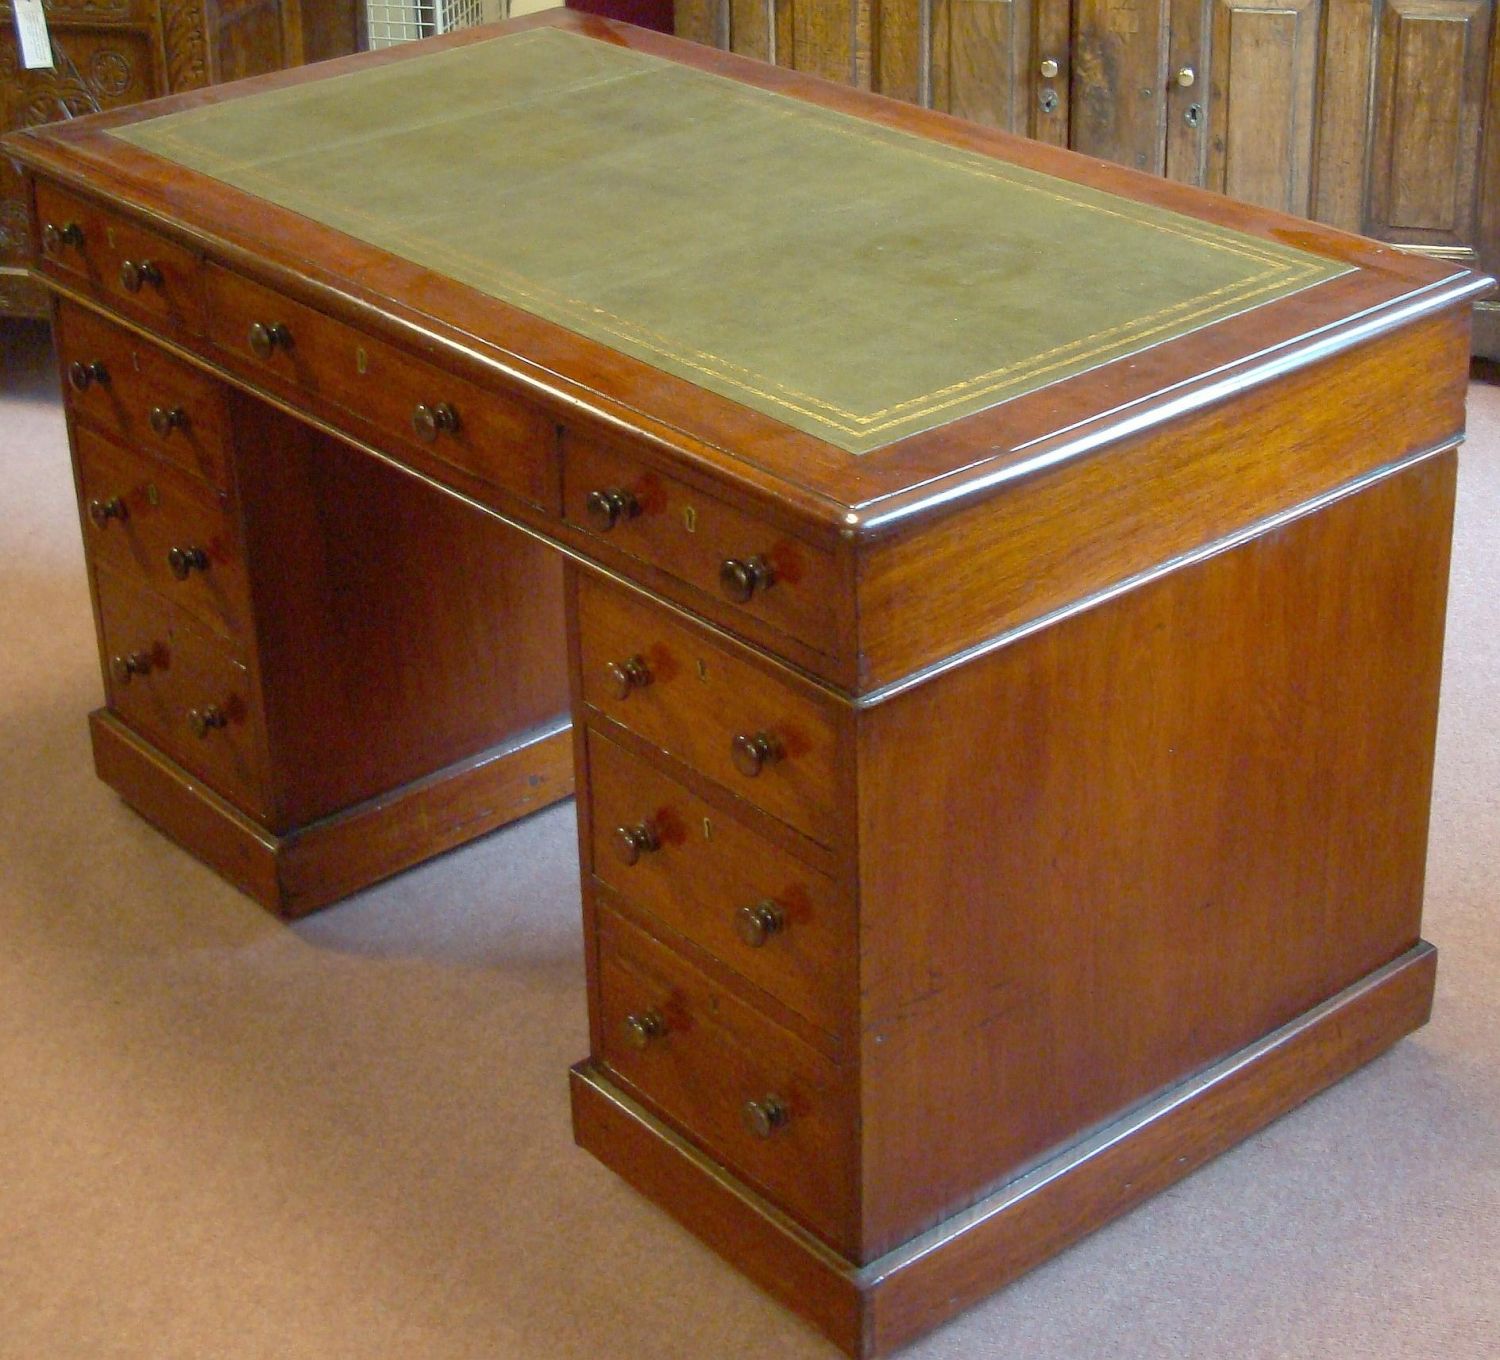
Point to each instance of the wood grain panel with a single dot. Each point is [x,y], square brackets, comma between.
[1119,104]
[981,56]
[1430,80]
[823,38]
[1184,819]
[752,28]
[699,21]
[1265,67]
[1340,184]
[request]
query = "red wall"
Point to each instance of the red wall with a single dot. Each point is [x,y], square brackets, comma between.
[648,13]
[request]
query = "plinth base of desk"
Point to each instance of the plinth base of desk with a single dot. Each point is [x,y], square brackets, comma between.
[299,871]
[870,1310]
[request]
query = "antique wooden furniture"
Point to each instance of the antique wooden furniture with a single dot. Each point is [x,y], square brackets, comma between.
[1382,119]
[110,53]
[1004,598]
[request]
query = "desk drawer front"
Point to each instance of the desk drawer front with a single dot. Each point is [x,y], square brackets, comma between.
[709,1058]
[142,396]
[768,739]
[181,689]
[167,530]
[774,576]
[412,404]
[128,265]
[761,911]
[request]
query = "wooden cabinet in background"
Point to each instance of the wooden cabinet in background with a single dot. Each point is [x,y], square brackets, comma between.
[1378,116]
[110,53]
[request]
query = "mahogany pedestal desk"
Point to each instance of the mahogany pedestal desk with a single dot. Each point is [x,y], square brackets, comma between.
[1004,600]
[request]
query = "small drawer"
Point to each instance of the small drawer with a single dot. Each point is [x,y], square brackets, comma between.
[753,1095]
[182,690]
[770,740]
[142,396]
[120,260]
[764,913]
[736,558]
[410,403]
[148,520]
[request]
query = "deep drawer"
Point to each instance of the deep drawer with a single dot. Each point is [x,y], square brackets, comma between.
[142,396]
[163,528]
[119,260]
[718,1069]
[410,403]
[728,554]
[182,689]
[768,916]
[770,738]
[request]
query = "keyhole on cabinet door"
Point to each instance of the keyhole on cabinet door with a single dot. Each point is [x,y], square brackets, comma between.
[1049,100]
[1193,115]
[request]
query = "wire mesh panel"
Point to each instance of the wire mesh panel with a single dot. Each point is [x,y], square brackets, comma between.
[397,21]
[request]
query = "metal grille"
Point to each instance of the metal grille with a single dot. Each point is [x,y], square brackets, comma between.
[397,21]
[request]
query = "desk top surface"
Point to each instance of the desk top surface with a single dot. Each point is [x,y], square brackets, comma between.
[857,282]
[863,307]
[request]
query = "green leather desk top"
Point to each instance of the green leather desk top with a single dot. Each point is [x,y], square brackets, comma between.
[855,282]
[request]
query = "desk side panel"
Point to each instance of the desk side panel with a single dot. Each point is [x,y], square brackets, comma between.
[935,586]
[1097,860]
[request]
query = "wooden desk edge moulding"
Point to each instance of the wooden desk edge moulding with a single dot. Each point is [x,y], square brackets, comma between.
[979,829]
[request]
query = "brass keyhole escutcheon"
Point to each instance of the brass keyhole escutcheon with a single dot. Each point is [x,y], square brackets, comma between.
[690,519]
[764,1116]
[608,507]
[431,421]
[266,337]
[102,511]
[642,1027]
[182,562]
[756,924]
[740,578]
[631,842]
[627,676]
[751,753]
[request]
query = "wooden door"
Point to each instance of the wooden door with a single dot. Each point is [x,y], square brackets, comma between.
[829,38]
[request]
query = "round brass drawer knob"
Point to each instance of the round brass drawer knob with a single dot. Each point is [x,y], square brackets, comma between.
[625,676]
[55,237]
[431,421]
[102,511]
[741,577]
[755,925]
[631,842]
[751,754]
[129,664]
[205,720]
[764,1116]
[266,338]
[184,561]
[83,376]
[136,274]
[1049,68]
[164,419]
[641,1029]
[606,509]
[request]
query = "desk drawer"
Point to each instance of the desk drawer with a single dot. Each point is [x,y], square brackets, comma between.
[141,395]
[181,689]
[150,521]
[780,579]
[764,913]
[717,1069]
[117,259]
[412,404]
[771,740]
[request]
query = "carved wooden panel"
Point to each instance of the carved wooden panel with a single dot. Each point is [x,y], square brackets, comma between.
[1119,105]
[1430,83]
[1262,100]
[246,36]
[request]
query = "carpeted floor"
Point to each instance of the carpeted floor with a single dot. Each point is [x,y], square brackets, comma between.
[226,1139]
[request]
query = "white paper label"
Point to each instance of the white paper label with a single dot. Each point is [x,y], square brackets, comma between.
[31,31]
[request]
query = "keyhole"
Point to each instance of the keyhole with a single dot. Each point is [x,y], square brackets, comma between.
[1049,100]
[1193,114]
